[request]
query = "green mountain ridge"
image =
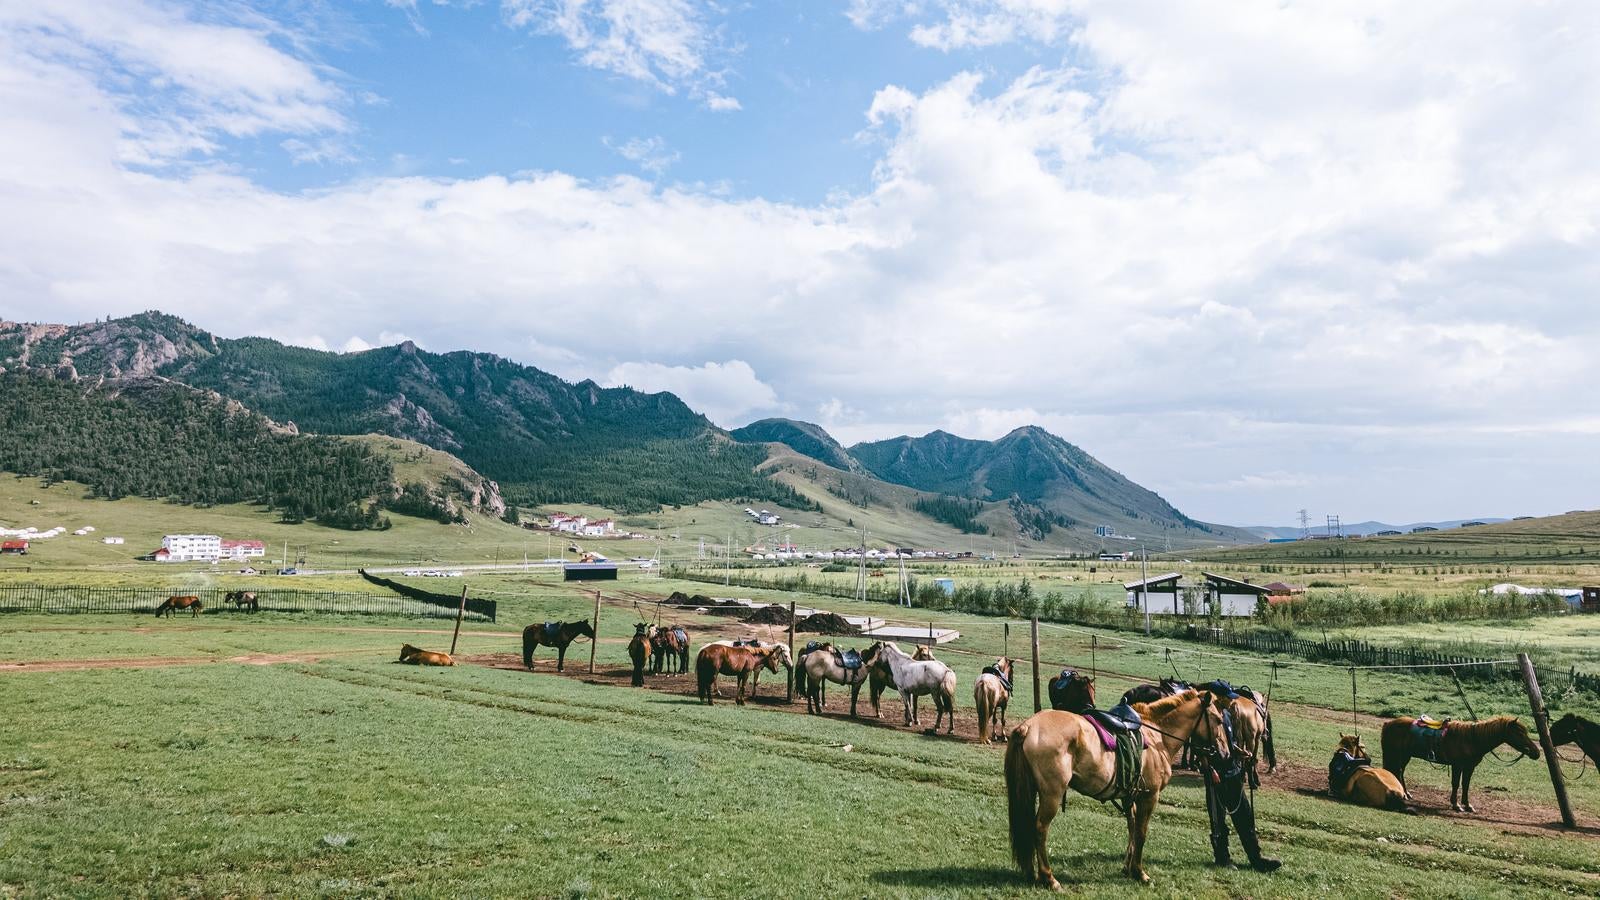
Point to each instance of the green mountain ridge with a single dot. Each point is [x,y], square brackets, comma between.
[802,437]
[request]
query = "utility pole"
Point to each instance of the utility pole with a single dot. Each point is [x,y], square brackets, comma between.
[1144,578]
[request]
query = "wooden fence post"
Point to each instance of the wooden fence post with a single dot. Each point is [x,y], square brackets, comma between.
[1530,680]
[459,613]
[789,695]
[1037,703]
[595,641]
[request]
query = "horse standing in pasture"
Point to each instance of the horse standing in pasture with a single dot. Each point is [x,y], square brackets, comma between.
[1575,729]
[242,600]
[1353,777]
[991,693]
[1150,693]
[755,677]
[670,647]
[639,651]
[912,679]
[822,664]
[553,634]
[173,604]
[417,656]
[1053,751]
[1462,746]
[741,662]
[1073,692]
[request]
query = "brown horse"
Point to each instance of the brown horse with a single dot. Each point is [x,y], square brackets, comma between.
[1575,729]
[755,677]
[671,649]
[553,634]
[991,693]
[1073,692]
[639,651]
[1462,747]
[1366,784]
[720,659]
[173,604]
[1054,750]
[417,656]
[242,600]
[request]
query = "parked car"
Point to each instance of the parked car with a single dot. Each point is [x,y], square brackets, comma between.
[289,571]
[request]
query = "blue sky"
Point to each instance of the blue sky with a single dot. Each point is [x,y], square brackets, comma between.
[461,92]
[1259,256]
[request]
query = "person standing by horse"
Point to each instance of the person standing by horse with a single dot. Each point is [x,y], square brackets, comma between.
[1225,767]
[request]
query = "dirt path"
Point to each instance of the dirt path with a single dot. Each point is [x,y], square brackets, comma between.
[160,662]
[1496,808]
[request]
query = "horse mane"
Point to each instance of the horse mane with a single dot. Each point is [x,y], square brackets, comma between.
[1491,725]
[1167,704]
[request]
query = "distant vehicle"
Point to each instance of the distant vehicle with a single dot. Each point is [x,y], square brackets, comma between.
[413,573]
[452,574]
[289,571]
[431,573]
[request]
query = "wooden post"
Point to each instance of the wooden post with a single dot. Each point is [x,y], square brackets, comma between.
[1037,703]
[595,641]
[789,695]
[459,613]
[1007,651]
[930,636]
[1530,680]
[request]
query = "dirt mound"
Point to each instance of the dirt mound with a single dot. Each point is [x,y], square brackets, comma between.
[826,623]
[770,615]
[679,598]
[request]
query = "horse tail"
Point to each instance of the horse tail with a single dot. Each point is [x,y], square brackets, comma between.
[800,675]
[529,641]
[980,699]
[1395,801]
[705,673]
[1022,797]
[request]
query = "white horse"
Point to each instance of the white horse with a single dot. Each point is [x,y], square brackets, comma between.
[783,657]
[913,679]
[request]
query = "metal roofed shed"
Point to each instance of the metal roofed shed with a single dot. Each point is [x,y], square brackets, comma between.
[1161,593]
[589,572]
[1232,597]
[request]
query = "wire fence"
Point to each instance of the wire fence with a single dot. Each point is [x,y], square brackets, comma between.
[482,608]
[37,598]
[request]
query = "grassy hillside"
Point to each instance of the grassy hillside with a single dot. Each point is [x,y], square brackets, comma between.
[1573,538]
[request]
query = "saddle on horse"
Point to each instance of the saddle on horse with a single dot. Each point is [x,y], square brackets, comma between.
[1058,686]
[849,659]
[1427,733]
[1343,765]
[1004,681]
[1221,689]
[1122,732]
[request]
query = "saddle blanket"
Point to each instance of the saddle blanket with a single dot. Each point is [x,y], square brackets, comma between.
[1120,719]
[1343,765]
[1427,733]
[1004,681]
[681,635]
[552,632]
[850,659]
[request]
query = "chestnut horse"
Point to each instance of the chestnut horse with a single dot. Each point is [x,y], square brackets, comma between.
[1575,729]
[1462,747]
[559,636]
[1073,692]
[721,659]
[990,694]
[417,656]
[671,649]
[639,651]
[755,677]
[1054,750]
[1366,785]
[172,604]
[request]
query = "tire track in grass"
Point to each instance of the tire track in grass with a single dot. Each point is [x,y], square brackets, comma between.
[1295,829]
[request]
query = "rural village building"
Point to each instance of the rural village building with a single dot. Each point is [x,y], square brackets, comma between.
[1161,593]
[1232,597]
[17,547]
[205,548]
[243,549]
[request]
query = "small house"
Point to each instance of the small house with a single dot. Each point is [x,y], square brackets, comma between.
[1232,597]
[20,548]
[1161,593]
[1281,592]
[589,571]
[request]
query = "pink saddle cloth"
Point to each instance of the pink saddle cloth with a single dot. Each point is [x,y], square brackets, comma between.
[1106,737]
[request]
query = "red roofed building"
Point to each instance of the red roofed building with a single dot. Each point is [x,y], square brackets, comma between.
[242,549]
[18,547]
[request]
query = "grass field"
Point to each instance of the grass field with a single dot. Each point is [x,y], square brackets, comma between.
[336,772]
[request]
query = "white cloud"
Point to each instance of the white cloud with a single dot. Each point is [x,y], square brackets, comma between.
[663,43]
[1357,241]
[726,392]
[355,345]
[650,154]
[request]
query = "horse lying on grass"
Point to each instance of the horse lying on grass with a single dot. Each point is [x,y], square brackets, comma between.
[1353,777]
[1462,745]
[1053,751]
[416,656]
[173,604]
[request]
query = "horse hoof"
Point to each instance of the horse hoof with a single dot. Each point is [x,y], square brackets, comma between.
[1456,807]
[1467,807]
